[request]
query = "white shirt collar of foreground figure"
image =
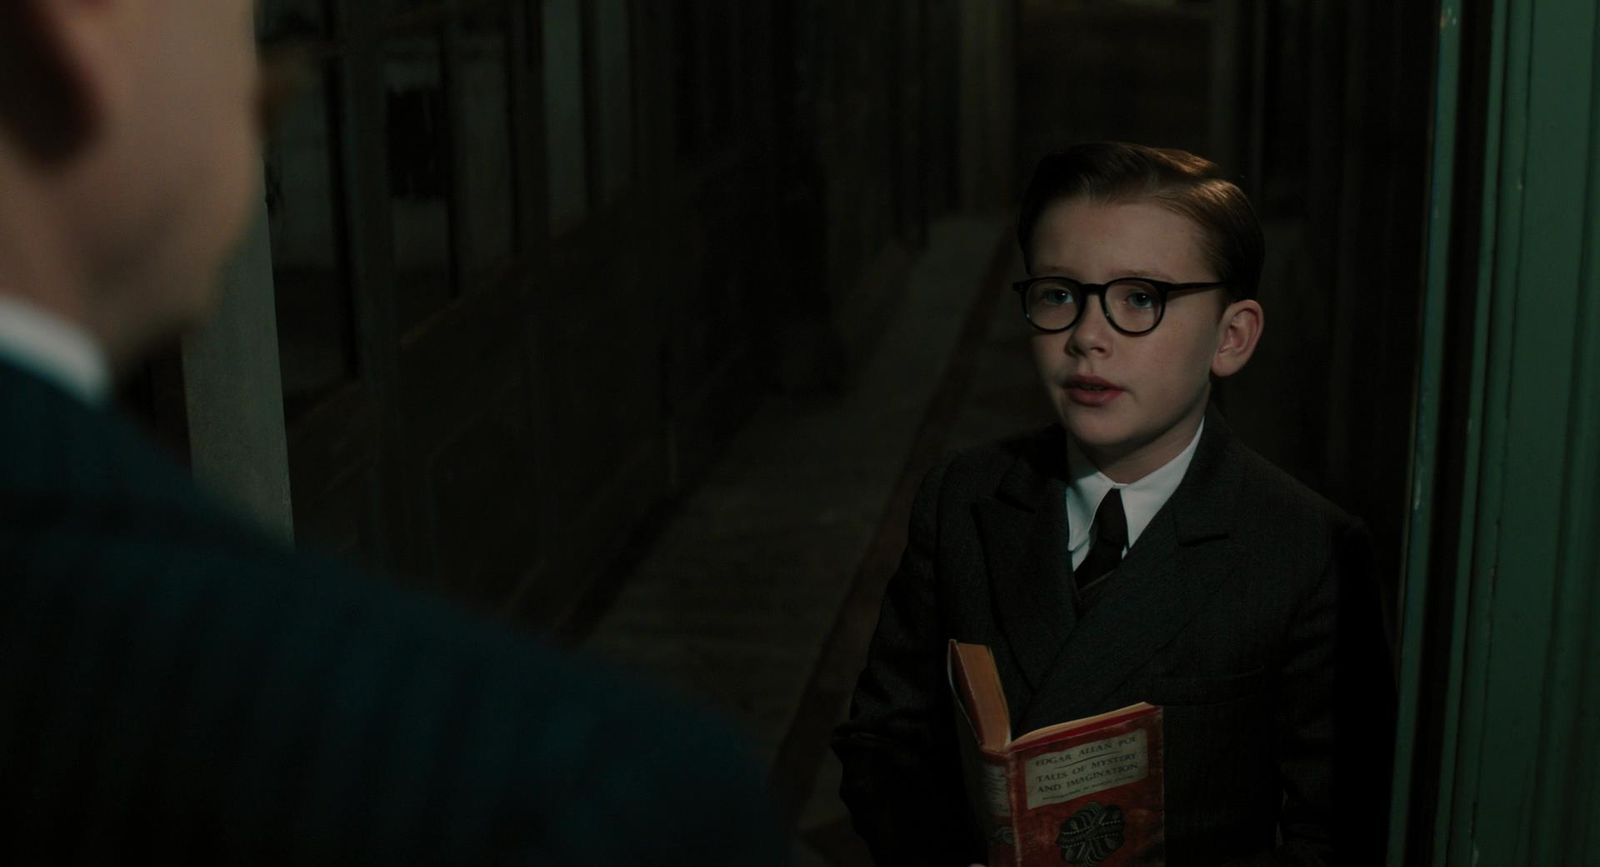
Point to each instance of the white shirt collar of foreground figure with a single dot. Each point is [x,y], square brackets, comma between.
[54,349]
[1141,500]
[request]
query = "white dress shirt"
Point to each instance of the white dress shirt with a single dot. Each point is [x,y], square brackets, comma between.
[54,349]
[1141,500]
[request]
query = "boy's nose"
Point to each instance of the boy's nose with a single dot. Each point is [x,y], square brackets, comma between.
[1093,332]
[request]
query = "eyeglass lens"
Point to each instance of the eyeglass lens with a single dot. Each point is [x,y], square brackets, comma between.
[1132,305]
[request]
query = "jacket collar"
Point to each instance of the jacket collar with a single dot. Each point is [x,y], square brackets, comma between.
[1073,661]
[60,453]
[53,349]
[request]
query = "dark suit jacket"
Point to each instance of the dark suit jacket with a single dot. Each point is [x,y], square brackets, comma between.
[1247,609]
[176,688]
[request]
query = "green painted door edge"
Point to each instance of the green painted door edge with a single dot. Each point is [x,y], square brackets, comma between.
[1426,455]
[1579,628]
[1471,627]
[1425,418]
[1517,775]
[1566,210]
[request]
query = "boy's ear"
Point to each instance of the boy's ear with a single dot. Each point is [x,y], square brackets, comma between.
[1237,334]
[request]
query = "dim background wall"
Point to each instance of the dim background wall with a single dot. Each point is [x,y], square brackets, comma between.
[534,261]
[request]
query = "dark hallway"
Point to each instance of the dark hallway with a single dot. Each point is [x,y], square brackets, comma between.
[760,590]
[640,323]
[637,324]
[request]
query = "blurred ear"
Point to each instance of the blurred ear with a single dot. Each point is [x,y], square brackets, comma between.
[58,65]
[1237,334]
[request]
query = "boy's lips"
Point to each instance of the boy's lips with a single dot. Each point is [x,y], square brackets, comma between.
[1092,390]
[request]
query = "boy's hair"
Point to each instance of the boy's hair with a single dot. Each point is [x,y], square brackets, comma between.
[1176,180]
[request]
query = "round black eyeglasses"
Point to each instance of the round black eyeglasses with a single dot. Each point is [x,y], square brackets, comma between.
[1133,305]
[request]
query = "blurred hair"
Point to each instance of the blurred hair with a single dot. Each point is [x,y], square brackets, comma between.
[1173,179]
[41,108]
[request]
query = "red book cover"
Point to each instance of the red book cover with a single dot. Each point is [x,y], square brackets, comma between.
[1086,792]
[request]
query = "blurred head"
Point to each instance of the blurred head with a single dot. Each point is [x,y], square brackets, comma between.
[1097,213]
[128,152]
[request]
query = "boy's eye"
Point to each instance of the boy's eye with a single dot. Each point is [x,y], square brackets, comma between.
[1141,300]
[1057,296]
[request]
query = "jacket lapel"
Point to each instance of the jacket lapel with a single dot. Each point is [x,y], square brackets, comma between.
[1162,583]
[1023,527]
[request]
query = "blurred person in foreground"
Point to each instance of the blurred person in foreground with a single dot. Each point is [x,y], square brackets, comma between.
[174,686]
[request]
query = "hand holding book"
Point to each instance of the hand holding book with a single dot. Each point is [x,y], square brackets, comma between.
[1085,792]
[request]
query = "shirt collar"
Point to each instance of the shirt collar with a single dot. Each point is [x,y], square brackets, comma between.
[1141,500]
[53,348]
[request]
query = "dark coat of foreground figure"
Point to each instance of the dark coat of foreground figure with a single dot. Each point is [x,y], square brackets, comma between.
[1247,609]
[175,688]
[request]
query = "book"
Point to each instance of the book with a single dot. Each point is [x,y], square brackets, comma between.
[1086,792]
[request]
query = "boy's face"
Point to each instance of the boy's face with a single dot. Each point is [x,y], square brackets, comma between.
[1132,403]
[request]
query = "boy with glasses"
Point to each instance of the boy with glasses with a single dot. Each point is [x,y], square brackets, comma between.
[1137,552]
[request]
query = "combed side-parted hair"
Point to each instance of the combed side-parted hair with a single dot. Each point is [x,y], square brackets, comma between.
[1186,184]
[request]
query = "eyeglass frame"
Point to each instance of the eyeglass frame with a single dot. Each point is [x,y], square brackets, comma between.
[1163,291]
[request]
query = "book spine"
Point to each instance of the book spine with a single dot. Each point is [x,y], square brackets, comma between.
[1018,800]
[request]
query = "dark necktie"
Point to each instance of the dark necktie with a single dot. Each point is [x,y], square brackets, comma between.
[1105,552]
